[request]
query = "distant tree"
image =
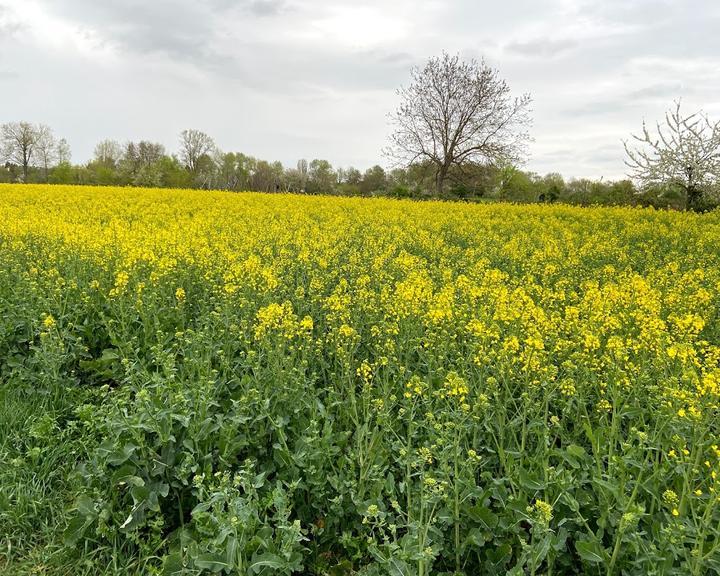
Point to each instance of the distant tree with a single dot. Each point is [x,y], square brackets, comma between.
[303,173]
[139,164]
[353,176]
[374,180]
[261,177]
[278,171]
[552,187]
[516,185]
[18,142]
[622,192]
[195,144]
[579,191]
[46,148]
[228,177]
[144,153]
[339,175]
[244,167]
[171,173]
[108,152]
[205,174]
[63,154]
[685,152]
[62,173]
[455,112]
[321,177]
[291,179]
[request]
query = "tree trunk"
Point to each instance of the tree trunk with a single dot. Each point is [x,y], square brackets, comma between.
[440,179]
[692,198]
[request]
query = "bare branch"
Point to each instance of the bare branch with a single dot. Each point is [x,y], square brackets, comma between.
[455,112]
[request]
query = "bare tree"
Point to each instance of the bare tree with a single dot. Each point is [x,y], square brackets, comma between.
[455,112]
[685,152]
[18,141]
[63,152]
[303,170]
[46,147]
[194,144]
[108,152]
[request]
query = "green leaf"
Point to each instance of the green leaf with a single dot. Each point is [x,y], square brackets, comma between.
[590,551]
[540,549]
[484,516]
[212,562]
[475,538]
[173,564]
[531,483]
[267,561]
[121,456]
[499,555]
[135,518]
[231,548]
[110,355]
[397,567]
[75,530]
[85,506]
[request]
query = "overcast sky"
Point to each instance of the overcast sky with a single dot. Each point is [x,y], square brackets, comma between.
[285,79]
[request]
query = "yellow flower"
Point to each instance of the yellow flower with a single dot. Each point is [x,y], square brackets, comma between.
[49,322]
[365,371]
[346,331]
[603,406]
[670,497]
[544,510]
[456,386]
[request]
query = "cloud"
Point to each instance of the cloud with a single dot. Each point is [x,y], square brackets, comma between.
[662,90]
[316,78]
[9,25]
[8,75]
[541,47]
[265,7]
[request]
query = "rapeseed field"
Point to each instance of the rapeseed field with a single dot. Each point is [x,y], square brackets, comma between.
[206,382]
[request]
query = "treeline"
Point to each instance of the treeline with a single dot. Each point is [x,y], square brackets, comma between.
[31,153]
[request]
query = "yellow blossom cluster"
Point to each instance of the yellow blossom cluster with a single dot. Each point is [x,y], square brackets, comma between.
[488,335]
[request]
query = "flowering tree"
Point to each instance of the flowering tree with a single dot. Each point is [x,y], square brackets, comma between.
[685,152]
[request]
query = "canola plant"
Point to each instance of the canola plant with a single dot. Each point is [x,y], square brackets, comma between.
[270,383]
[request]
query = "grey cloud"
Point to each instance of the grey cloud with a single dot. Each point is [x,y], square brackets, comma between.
[182,30]
[541,47]
[257,7]
[640,12]
[664,90]
[266,7]
[395,58]
[208,37]
[270,78]
[599,107]
[9,26]
[558,153]
[8,75]
[313,71]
